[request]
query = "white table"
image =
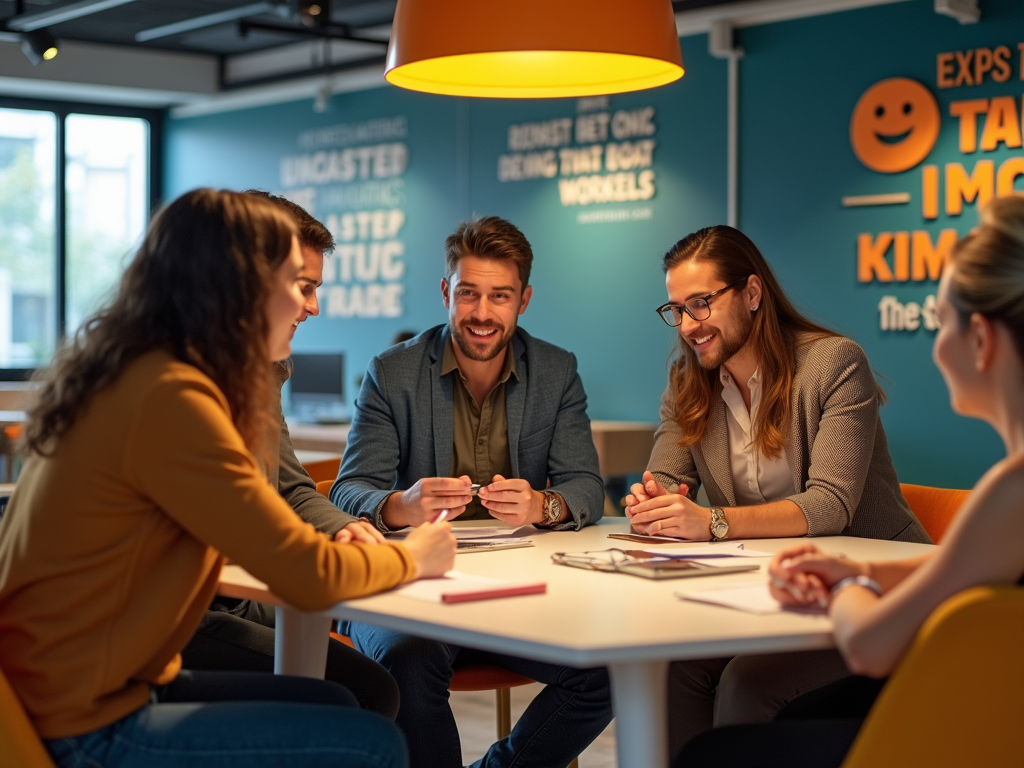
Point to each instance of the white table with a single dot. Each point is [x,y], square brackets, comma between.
[633,626]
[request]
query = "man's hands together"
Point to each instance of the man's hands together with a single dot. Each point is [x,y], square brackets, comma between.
[513,501]
[653,511]
[422,502]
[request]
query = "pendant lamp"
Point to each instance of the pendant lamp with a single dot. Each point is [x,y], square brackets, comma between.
[528,49]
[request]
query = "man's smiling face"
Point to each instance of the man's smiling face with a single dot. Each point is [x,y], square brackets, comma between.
[716,339]
[310,278]
[484,298]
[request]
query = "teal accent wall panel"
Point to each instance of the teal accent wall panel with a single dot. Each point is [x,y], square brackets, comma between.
[800,82]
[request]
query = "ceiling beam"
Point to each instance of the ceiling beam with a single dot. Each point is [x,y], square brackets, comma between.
[30,21]
[209,20]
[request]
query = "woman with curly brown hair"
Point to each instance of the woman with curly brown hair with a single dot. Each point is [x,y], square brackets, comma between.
[142,475]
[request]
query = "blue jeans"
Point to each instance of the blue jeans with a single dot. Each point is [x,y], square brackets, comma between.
[240,720]
[571,711]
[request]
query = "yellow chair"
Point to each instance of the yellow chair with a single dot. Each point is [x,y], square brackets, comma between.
[935,508]
[20,745]
[957,698]
[477,677]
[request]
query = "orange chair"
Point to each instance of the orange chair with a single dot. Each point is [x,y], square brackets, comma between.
[476,677]
[955,698]
[934,507]
[326,469]
[20,745]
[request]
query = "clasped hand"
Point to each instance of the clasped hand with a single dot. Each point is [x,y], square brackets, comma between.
[652,510]
[803,576]
[511,501]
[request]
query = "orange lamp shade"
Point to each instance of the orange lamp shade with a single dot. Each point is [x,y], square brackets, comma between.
[528,49]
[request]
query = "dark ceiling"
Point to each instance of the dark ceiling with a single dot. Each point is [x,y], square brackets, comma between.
[120,24]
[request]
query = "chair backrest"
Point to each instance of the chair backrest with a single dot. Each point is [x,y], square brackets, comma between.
[20,746]
[325,469]
[324,487]
[956,698]
[934,507]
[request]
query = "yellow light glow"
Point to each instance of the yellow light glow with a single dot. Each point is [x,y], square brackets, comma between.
[50,53]
[534,74]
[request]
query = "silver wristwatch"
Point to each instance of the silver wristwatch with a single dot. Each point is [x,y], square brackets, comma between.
[552,509]
[719,525]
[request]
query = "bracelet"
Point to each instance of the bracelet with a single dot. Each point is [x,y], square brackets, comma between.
[857,581]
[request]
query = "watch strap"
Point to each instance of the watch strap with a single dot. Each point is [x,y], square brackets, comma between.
[857,581]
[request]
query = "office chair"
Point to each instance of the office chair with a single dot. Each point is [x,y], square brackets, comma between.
[20,745]
[935,508]
[956,697]
[325,469]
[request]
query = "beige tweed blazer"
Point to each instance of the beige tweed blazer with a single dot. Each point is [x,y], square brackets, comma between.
[837,450]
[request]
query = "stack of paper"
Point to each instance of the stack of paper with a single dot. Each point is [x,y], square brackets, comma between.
[484,539]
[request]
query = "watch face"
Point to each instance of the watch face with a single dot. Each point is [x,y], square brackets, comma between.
[720,529]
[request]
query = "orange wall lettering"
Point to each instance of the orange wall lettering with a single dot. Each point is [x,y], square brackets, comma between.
[871,261]
[968,112]
[960,187]
[930,191]
[1001,124]
[929,260]
[1008,173]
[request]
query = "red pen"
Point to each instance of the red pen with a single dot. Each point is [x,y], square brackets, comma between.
[441,516]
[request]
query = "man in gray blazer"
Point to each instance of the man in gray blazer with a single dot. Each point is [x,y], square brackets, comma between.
[778,418]
[477,401]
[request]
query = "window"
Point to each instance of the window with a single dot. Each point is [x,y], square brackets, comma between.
[77,183]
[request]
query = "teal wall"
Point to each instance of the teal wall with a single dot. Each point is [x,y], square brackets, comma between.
[596,284]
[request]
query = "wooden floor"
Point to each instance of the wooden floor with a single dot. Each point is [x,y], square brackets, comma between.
[474,713]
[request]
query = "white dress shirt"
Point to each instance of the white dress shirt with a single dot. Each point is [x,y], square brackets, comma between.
[755,479]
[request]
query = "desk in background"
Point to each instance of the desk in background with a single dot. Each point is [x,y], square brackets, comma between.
[632,626]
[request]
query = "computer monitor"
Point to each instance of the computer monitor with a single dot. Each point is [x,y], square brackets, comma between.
[318,388]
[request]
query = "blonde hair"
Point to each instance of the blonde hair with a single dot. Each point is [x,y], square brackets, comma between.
[988,268]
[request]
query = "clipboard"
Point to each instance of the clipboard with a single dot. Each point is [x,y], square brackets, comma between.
[645,564]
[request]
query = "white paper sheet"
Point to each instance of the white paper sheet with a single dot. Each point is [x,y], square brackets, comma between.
[750,598]
[709,551]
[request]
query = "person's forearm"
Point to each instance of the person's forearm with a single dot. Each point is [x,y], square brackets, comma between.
[889,574]
[776,519]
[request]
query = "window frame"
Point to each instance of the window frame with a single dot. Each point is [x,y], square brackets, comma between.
[153,116]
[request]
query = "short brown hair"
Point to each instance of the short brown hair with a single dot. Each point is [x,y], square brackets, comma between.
[489,238]
[311,233]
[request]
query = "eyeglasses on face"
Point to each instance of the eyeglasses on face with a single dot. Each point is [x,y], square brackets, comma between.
[698,308]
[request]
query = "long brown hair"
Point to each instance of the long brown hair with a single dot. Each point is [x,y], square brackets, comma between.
[777,329]
[197,288]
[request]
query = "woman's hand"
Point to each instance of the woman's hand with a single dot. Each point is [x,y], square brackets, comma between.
[804,575]
[432,546]
[360,532]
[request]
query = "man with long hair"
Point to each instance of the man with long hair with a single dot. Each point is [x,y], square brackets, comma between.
[477,401]
[778,418]
[239,634]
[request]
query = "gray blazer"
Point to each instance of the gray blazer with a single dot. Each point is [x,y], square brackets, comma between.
[837,450]
[403,429]
[295,484]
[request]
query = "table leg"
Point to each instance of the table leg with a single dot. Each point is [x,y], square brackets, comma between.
[300,643]
[639,692]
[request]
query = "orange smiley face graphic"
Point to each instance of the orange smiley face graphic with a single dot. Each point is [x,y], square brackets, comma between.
[894,125]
